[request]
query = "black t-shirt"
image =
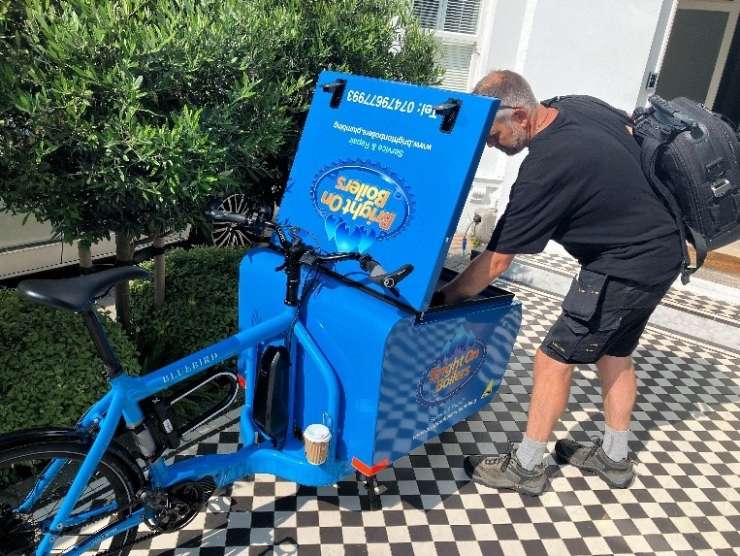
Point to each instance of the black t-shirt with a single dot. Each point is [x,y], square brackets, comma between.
[582,185]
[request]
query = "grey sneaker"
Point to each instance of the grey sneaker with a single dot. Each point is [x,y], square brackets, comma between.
[617,474]
[505,471]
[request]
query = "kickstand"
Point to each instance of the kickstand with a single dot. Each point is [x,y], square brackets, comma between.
[373,490]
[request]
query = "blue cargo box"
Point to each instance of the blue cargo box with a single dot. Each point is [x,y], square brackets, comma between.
[405,375]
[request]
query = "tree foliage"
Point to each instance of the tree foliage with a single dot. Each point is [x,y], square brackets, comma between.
[126,115]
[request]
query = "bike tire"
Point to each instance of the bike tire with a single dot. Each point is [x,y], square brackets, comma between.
[112,480]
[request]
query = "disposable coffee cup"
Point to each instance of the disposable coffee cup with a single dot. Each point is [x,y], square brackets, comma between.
[316,439]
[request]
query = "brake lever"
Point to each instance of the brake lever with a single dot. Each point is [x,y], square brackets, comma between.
[378,274]
[391,279]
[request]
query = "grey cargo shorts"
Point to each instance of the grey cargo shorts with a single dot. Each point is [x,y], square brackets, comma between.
[601,316]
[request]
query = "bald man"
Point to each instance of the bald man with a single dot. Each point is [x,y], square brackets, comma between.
[581,184]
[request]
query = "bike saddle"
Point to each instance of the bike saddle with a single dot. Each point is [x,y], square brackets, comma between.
[77,294]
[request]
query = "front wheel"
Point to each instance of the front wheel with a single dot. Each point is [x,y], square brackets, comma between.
[34,478]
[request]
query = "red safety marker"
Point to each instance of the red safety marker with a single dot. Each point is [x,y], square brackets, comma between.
[242,382]
[367,470]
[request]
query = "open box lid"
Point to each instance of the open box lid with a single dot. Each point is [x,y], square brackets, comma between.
[378,170]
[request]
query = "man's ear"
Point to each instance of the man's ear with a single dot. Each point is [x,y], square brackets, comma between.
[520,117]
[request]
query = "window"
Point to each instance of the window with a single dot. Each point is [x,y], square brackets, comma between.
[455,23]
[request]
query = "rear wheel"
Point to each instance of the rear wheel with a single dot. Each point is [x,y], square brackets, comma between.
[108,497]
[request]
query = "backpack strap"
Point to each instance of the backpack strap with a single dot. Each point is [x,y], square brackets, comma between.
[651,150]
[593,101]
[701,246]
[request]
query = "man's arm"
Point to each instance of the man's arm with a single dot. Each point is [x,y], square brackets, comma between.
[483,270]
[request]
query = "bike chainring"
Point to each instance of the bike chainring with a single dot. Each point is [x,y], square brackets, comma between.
[175,507]
[18,533]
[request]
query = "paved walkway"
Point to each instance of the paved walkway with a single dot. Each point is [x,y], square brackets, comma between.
[686,500]
[702,310]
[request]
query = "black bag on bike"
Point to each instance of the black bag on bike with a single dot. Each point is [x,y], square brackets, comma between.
[692,158]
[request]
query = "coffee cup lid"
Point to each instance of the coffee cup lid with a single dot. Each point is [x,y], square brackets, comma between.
[317,433]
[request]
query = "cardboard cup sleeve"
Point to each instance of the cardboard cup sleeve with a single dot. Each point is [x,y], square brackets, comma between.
[316,440]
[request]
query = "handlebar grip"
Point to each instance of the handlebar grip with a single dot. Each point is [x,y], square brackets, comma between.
[222,216]
[379,275]
[391,279]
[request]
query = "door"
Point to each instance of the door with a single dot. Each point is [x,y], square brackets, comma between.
[727,101]
[698,50]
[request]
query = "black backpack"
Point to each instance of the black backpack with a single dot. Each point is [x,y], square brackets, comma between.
[691,157]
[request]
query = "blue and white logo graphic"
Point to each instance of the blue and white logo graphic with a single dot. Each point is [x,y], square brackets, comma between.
[459,362]
[360,204]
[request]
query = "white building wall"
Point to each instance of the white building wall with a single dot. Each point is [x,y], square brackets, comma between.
[595,47]
[604,48]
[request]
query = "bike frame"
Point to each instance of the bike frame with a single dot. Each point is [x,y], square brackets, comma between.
[123,401]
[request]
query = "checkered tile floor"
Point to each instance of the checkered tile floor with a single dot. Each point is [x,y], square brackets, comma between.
[685,501]
[726,313]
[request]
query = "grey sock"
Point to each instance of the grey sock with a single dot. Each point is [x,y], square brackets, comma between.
[530,453]
[615,443]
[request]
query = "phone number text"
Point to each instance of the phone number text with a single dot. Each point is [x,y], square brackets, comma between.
[390,103]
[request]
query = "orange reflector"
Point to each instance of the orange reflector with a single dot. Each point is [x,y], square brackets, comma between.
[242,382]
[366,469]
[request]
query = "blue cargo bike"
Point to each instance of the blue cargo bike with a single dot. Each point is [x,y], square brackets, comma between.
[328,339]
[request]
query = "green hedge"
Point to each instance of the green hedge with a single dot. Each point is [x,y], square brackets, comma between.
[49,370]
[200,307]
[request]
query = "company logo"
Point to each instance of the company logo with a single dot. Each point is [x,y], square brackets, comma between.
[190,367]
[360,205]
[458,364]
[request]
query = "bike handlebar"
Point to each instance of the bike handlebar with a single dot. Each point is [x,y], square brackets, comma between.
[244,223]
[376,273]
[223,216]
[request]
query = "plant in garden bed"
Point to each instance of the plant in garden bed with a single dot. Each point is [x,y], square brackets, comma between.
[50,370]
[126,117]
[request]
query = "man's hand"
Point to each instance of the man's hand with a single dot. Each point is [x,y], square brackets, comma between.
[483,270]
[438,299]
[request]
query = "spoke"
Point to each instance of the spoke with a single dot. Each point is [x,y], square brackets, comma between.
[45,480]
[242,202]
[228,203]
[245,239]
[220,231]
[87,497]
[220,236]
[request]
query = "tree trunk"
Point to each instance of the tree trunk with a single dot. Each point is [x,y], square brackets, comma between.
[124,254]
[83,250]
[159,273]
